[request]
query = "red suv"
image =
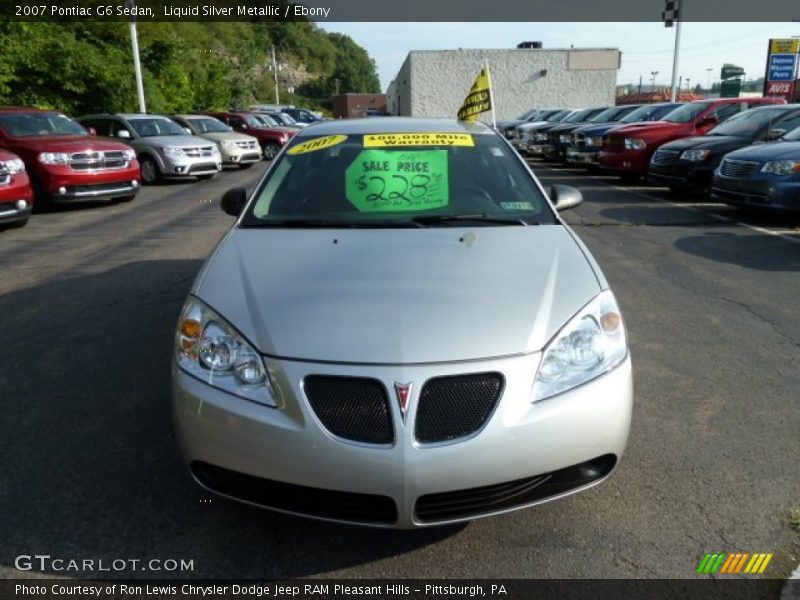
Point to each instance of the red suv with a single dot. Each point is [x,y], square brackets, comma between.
[271,139]
[64,162]
[16,197]
[627,150]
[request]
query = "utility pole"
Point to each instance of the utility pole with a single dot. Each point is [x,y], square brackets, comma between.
[675,55]
[709,71]
[640,84]
[653,80]
[137,65]
[275,73]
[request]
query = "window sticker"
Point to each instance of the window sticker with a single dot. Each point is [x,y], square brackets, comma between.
[391,181]
[517,205]
[319,143]
[392,140]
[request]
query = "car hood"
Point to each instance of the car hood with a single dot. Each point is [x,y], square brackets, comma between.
[67,143]
[769,151]
[596,130]
[710,142]
[398,296]
[568,127]
[650,127]
[226,136]
[533,124]
[173,141]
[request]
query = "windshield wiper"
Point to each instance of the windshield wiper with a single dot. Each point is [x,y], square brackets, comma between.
[429,220]
[330,224]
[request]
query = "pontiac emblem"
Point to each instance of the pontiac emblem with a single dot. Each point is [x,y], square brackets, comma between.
[403,391]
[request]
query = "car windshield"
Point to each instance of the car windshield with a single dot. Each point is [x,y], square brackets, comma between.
[749,123]
[686,113]
[527,114]
[607,115]
[260,121]
[284,118]
[580,115]
[398,180]
[793,135]
[649,112]
[39,124]
[208,125]
[559,116]
[157,126]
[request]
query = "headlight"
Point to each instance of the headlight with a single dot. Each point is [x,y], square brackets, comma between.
[634,144]
[695,155]
[54,158]
[129,154]
[782,167]
[565,138]
[590,141]
[592,343]
[229,145]
[541,137]
[173,152]
[15,165]
[207,347]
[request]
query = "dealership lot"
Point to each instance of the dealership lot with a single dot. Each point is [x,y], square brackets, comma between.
[90,296]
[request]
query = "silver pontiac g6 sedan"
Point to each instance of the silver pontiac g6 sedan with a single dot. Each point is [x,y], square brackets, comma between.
[400,331]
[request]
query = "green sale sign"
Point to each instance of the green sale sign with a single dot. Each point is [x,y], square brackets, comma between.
[398,180]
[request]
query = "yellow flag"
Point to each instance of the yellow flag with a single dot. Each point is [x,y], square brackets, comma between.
[479,99]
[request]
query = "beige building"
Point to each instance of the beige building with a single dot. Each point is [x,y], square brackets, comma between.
[433,83]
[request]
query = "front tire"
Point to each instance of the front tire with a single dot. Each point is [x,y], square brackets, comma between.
[151,175]
[271,150]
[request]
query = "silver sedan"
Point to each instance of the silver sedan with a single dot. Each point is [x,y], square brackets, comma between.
[400,331]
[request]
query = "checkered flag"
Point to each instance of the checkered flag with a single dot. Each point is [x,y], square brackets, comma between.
[670,14]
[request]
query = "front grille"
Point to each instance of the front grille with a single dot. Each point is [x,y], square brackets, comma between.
[199,151]
[317,502]
[737,168]
[664,157]
[203,168]
[456,406]
[99,160]
[247,145]
[352,408]
[579,139]
[614,144]
[489,499]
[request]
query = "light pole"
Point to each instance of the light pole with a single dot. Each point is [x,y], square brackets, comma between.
[275,73]
[653,80]
[137,65]
[688,87]
[709,70]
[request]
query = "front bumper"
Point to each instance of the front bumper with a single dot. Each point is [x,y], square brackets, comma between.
[624,162]
[14,211]
[239,156]
[581,157]
[222,434]
[539,149]
[95,191]
[692,177]
[760,190]
[190,166]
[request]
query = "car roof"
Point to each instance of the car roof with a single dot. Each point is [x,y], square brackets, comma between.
[26,109]
[193,116]
[392,125]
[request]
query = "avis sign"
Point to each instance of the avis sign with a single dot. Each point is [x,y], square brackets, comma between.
[779,88]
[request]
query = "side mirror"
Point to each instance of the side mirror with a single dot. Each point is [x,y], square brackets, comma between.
[565,197]
[188,131]
[124,134]
[775,134]
[92,131]
[234,201]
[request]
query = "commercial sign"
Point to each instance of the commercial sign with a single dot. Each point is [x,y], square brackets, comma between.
[729,71]
[781,71]
[781,67]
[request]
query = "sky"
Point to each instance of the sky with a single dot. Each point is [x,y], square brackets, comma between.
[645,47]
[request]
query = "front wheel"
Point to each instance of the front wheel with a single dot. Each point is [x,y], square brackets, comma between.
[271,150]
[150,173]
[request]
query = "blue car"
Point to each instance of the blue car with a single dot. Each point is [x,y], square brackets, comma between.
[587,140]
[764,176]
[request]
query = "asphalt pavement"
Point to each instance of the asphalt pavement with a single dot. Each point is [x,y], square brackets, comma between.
[89,297]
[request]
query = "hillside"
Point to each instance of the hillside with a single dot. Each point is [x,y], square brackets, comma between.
[87,67]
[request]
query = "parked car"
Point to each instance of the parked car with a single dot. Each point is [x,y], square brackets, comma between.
[64,162]
[514,130]
[588,139]
[506,126]
[538,136]
[16,195]
[237,149]
[627,150]
[286,120]
[560,137]
[688,164]
[763,176]
[163,147]
[438,345]
[301,115]
[527,134]
[271,139]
